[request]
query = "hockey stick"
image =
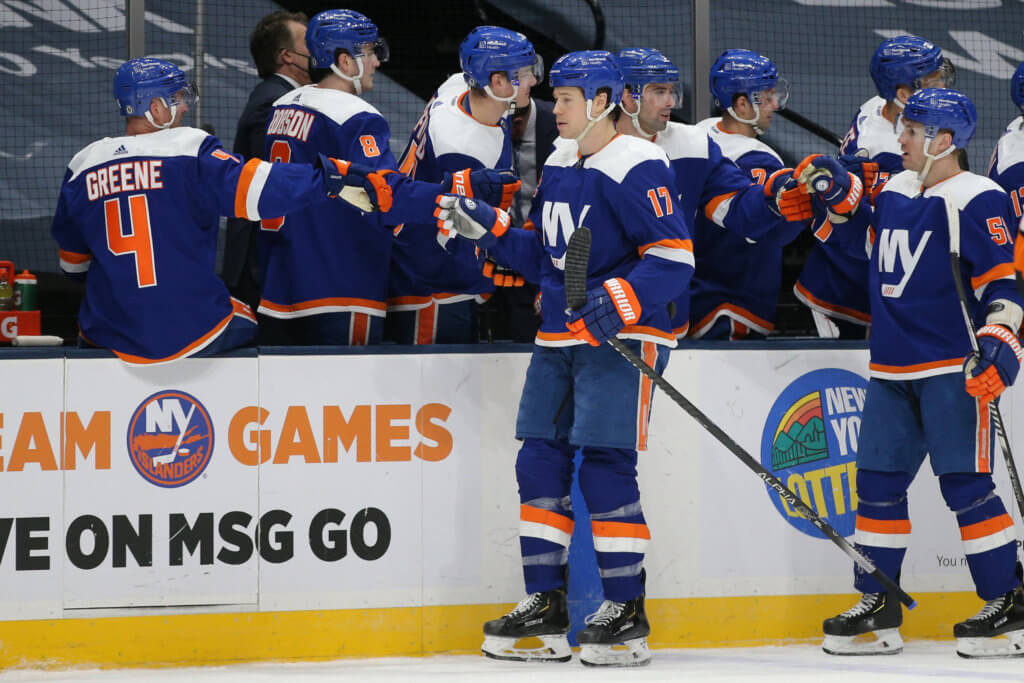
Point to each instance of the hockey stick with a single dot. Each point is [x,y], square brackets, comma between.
[577,258]
[953,218]
[811,126]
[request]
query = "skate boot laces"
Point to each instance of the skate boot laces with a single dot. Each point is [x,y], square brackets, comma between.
[868,602]
[526,604]
[607,613]
[991,608]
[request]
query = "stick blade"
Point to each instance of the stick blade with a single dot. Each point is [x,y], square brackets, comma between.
[577,261]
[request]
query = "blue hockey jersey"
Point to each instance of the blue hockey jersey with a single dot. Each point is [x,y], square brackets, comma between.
[625,194]
[834,282]
[446,139]
[139,214]
[332,257]
[738,268]
[917,327]
[1007,165]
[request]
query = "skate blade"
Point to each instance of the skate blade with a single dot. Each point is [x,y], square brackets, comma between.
[886,641]
[554,648]
[1006,645]
[631,653]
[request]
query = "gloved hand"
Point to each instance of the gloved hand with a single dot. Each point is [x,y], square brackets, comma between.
[786,198]
[470,218]
[339,174]
[609,308]
[503,277]
[497,188]
[996,364]
[861,167]
[838,188]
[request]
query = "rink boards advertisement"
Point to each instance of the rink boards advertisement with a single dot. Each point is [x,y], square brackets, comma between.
[281,484]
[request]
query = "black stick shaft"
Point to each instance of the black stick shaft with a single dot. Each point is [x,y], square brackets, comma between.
[811,126]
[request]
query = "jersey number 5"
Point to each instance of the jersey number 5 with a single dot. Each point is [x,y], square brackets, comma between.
[139,242]
[997,229]
[279,151]
[653,194]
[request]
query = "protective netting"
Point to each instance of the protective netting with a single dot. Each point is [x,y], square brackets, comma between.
[58,57]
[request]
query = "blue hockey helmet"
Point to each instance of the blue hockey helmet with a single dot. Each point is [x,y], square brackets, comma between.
[342,29]
[906,60]
[491,49]
[942,108]
[589,70]
[644,65]
[139,80]
[743,72]
[1017,87]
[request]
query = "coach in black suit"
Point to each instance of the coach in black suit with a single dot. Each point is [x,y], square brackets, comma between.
[278,46]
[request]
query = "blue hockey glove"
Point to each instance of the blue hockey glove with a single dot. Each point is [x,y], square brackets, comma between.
[609,308]
[861,167]
[339,174]
[497,188]
[996,364]
[838,188]
[786,198]
[471,218]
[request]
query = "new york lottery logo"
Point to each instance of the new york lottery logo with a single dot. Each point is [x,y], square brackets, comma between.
[810,442]
[170,438]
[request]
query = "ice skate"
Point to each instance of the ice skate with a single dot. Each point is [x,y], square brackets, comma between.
[538,615]
[849,633]
[616,635]
[996,631]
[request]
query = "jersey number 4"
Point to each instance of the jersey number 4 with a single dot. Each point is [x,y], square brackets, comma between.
[655,195]
[139,242]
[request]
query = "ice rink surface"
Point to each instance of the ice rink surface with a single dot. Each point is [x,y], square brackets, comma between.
[919,661]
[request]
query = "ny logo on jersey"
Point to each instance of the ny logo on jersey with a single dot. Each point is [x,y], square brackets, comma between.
[893,246]
[557,219]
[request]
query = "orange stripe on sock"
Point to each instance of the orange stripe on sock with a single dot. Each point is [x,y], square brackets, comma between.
[883,526]
[985,528]
[620,529]
[528,513]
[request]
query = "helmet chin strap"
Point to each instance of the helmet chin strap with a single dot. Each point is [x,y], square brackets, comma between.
[636,121]
[930,158]
[356,82]
[509,101]
[750,122]
[592,121]
[174,113]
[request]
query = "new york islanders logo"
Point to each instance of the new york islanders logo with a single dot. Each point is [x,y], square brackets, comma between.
[170,438]
[810,443]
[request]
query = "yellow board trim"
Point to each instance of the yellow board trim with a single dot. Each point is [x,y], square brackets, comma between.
[206,639]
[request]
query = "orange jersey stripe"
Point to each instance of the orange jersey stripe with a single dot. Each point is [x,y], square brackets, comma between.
[884,526]
[713,204]
[330,301]
[948,363]
[242,190]
[832,307]
[686,245]
[191,348]
[426,325]
[738,310]
[74,257]
[620,529]
[528,513]
[1000,271]
[986,527]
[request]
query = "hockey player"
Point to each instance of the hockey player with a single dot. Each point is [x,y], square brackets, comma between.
[326,267]
[137,218]
[738,295]
[578,391]
[833,284]
[1007,165]
[436,285]
[917,401]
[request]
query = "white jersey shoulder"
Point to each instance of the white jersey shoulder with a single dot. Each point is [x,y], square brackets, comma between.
[683,141]
[171,142]
[334,104]
[564,152]
[453,86]
[453,130]
[734,145]
[960,188]
[875,133]
[1010,148]
[623,154]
